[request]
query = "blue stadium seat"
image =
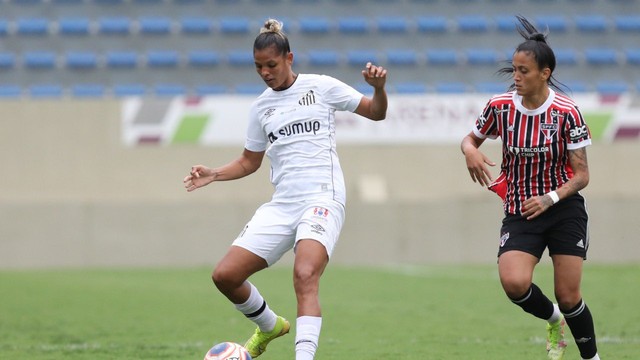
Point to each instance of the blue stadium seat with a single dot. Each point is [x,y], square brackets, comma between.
[240,57]
[432,24]
[566,56]
[632,56]
[74,26]
[472,23]
[10,91]
[46,91]
[491,87]
[169,90]
[392,25]
[147,2]
[481,56]
[451,87]
[66,2]
[203,58]
[321,57]
[4,27]
[118,25]
[155,25]
[81,60]
[196,25]
[575,86]
[314,25]
[87,90]
[361,57]
[353,25]
[210,89]
[7,60]
[612,87]
[363,88]
[591,23]
[109,2]
[121,59]
[627,23]
[27,2]
[39,60]
[162,58]
[234,25]
[505,23]
[132,89]
[601,56]
[442,57]
[249,89]
[411,87]
[32,26]
[555,23]
[405,57]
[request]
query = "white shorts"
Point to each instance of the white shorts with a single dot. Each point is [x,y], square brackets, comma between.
[276,227]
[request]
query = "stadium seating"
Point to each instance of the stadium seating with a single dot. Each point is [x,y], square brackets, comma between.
[74,26]
[204,47]
[323,57]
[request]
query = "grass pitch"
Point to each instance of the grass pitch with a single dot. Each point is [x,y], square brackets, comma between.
[431,312]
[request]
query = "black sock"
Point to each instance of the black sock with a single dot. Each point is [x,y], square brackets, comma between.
[535,303]
[580,322]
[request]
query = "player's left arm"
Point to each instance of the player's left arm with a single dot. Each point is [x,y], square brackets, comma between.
[580,179]
[374,108]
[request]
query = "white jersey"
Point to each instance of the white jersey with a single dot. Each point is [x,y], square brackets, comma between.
[296,127]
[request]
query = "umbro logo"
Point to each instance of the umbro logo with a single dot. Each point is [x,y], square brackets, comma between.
[583,340]
[580,244]
[308,99]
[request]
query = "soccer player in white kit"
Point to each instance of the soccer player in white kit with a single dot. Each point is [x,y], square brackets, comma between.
[293,123]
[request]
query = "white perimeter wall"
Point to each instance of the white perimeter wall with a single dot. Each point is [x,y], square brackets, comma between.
[72,195]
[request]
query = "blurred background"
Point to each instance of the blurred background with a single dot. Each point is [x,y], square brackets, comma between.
[106,104]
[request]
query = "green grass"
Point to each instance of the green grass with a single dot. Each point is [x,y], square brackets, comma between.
[431,312]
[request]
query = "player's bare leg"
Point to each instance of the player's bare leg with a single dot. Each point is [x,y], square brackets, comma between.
[230,277]
[310,261]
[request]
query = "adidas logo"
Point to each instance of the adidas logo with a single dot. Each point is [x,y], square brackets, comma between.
[580,244]
[308,99]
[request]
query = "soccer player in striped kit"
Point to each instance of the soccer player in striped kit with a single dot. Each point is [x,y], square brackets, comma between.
[544,166]
[293,123]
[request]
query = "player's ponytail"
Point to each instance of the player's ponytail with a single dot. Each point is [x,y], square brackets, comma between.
[271,34]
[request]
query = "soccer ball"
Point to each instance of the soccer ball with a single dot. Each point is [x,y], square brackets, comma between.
[227,351]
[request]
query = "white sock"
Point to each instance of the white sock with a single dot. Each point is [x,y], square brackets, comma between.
[307,335]
[555,317]
[257,310]
[594,358]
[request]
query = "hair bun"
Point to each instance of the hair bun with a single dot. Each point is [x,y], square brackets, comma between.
[272,26]
[537,37]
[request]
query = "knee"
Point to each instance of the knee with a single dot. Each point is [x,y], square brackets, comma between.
[515,288]
[304,278]
[224,278]
[567,299]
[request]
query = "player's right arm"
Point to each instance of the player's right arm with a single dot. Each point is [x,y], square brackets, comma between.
[476,161]
[246,164]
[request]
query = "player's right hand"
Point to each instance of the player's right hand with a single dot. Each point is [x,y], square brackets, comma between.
[199,176]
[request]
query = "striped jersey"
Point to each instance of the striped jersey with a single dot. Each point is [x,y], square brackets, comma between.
[535,143]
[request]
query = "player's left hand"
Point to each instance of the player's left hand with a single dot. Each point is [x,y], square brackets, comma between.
[534,206]
[375,76]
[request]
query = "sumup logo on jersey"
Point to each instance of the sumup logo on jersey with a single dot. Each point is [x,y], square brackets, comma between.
[294,129]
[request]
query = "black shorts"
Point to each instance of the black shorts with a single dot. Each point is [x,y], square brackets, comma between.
[563,229]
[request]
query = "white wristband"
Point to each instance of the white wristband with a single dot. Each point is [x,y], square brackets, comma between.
[554,196]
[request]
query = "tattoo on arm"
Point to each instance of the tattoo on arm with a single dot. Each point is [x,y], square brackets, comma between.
[578,161]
